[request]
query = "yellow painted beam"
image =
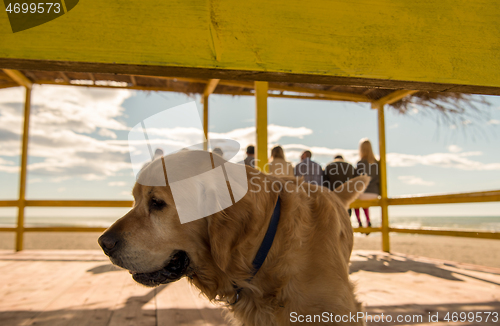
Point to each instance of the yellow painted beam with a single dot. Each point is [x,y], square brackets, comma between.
[383,180]
[365,203]
[8,86]
[79,203]
[9,203]
[450,233]
[321,93]
[392,97]
[305,93]
[261,125]
[318,94]
[172,89]
[64,229]
[24,171]
[205,121]
[282,40]
[211,85]
[367,230]
[18,77]
[473,197]
[182,79]
[140,88]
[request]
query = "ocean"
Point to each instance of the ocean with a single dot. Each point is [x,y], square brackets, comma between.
[478,223]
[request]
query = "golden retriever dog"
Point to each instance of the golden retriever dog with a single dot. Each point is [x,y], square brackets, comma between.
[304,278]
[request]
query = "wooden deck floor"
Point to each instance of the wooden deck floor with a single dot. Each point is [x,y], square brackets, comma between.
[82,288]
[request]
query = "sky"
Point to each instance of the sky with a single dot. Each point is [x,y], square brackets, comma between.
[78,145]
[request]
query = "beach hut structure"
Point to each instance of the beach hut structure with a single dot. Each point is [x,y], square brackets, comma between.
[379,53]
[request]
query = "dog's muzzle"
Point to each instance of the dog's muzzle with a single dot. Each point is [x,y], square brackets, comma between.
[173,271]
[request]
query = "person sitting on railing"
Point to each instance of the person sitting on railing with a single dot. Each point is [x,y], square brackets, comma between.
[368,165]
[309,170]
[337,173]
[278,166]
[250,159]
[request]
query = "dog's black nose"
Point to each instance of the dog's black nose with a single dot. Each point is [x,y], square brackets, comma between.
[108,242]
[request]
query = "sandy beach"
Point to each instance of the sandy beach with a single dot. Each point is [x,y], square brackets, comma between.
[483,252]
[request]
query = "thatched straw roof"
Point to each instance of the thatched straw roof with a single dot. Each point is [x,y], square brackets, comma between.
[448,104]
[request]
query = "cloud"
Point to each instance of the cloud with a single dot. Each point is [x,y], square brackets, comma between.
[494,122]
[65,119]
[417,181]
[5,162]
[117,183]
[394,126]
[454,148]
[460,161]
[62,121]
[9,169]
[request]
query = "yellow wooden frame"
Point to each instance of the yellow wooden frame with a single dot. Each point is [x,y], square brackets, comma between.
[412,44]
[261,94]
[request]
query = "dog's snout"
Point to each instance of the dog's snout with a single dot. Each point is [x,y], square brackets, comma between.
[108,242]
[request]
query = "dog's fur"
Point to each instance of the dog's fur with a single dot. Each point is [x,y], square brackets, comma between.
[306,270]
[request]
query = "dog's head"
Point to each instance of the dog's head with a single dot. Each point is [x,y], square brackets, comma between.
[150,240]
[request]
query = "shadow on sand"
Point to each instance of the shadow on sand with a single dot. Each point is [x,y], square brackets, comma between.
[384,264]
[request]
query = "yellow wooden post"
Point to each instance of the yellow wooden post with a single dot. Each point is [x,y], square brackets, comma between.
[205,121]
[383,179]
[261,89]
[24,164]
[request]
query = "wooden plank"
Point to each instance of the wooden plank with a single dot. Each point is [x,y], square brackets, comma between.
[80,203]
[65,77]
[133,81]
[211,313]
[63,229]
[65,307]
[450,42]
[9,85]
[174,307]
[471,197]
[24,165]
[261,125]
[136,306]
[28,298]
[205,100]
[450,233]
[97,303]
[392,98]
[383,180]
[196,73]
[317,93]
[211,85]
[18,77]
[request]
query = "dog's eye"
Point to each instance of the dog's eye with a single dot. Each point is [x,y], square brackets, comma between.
[156,204]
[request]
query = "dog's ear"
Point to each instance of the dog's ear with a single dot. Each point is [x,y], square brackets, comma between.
[231,231]
[223,232]
[350,190]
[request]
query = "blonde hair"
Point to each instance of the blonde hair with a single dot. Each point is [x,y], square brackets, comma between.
[366,151]
[277,152]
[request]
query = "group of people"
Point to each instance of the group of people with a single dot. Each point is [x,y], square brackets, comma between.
[334,175]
